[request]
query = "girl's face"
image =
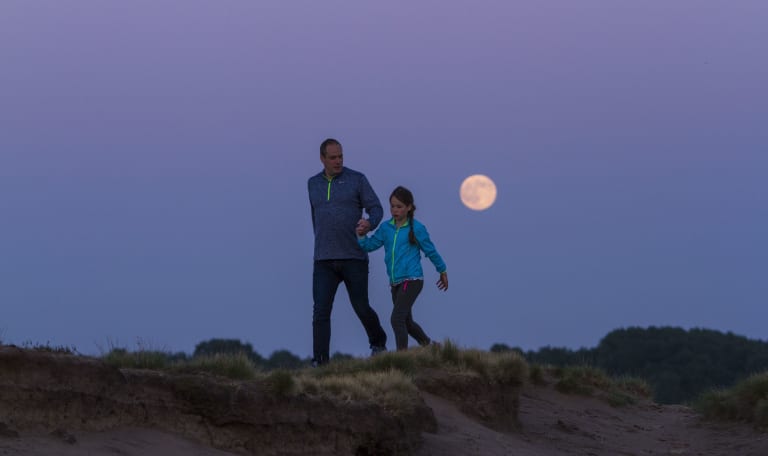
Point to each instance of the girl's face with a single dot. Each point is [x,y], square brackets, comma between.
[399,210]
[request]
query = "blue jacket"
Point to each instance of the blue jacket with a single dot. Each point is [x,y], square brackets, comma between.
[337,205]
[402,258]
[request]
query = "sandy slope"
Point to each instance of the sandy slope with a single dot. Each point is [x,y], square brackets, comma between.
[551,424]
[121,442]
[557,424]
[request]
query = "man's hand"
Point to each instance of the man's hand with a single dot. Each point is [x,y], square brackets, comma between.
[363,227]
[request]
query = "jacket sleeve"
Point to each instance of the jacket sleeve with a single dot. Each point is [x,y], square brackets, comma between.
[371,203]
[371,243]
[311,207]
[426,245]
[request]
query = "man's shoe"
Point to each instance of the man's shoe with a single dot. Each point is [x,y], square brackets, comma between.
[375,350]
[319,362]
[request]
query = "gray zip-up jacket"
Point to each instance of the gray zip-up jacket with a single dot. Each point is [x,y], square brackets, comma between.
[337,205]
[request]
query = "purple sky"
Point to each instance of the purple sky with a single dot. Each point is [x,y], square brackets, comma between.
[154,157]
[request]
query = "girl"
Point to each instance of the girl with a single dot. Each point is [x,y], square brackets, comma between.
[404,238]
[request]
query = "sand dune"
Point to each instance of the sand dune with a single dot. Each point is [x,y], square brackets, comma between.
[555,424]
[53,404]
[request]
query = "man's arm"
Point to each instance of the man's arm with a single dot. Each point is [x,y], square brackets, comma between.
[371,203]
[311,207]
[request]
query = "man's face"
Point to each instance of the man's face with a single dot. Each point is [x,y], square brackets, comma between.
[333,161]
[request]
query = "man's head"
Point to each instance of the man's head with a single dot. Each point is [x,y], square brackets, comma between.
[332,157]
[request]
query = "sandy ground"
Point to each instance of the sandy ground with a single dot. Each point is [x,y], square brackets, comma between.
[551,423]
[557,424]
[121,442]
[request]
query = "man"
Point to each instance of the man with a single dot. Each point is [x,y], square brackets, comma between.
[337,196]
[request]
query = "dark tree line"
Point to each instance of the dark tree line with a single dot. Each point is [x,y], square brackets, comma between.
[279,359]
[678,364]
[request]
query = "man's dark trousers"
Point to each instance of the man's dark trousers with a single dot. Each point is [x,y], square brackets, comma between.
[326,277]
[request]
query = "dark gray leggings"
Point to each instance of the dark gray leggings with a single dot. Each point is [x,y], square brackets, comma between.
[403,296]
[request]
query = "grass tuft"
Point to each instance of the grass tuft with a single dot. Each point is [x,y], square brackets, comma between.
[385,379]
[507,368]
[391,389]
[47,347]
[746,401]
[618,398]
[634,386]
[581,380]
[588,380]
[536,375]
[237,366]
[449,352]
[399,361]
[280,383]
[142,359]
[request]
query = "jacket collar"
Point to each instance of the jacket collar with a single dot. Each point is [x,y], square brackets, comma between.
[322,173]
[392,222]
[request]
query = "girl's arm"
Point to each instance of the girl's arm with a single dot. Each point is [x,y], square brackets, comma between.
[426,245]
[369,244]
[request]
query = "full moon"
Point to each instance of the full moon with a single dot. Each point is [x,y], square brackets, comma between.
[478,192]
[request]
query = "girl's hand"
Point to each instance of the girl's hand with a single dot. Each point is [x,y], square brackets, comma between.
[442,283]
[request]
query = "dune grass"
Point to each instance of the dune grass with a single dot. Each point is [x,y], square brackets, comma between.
[581,380]
[507,368]
[391,389]
[235,366]
[592,381]
[280,383]
[47,347]
[536,374]
[140,359]
[746,401]
[386,379]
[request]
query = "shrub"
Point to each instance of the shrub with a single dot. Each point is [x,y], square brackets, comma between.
[536,375]
[581,380]
[142,359]
[392,389]
[746,401]
[280,383]
[634,386]
[235,366]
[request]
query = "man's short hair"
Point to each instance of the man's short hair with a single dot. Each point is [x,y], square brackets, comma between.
[326,143]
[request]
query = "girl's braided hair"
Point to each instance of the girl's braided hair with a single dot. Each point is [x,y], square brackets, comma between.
[406,197]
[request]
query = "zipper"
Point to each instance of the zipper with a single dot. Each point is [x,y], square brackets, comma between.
[394,243]
[328,197]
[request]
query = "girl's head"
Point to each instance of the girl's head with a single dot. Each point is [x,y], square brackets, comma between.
[402,208]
